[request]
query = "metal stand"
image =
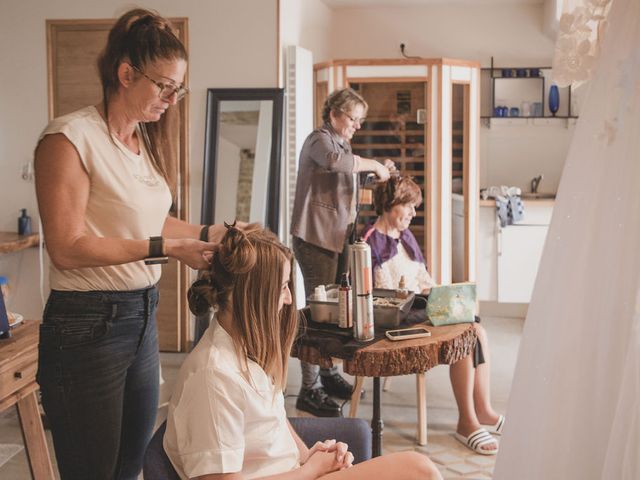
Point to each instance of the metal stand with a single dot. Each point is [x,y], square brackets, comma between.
[377,425]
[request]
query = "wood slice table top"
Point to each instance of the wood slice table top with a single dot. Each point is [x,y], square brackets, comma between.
[446,345]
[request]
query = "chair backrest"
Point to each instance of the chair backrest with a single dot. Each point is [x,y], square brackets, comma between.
[354,431]
[157,465]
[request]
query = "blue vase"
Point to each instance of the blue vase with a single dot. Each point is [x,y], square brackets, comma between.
[554,100]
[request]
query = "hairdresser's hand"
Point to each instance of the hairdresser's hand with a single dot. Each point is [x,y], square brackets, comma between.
[391,166]
[216,232]
[192,252]
[382,172]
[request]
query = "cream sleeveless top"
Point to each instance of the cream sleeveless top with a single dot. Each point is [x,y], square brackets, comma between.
[128,198]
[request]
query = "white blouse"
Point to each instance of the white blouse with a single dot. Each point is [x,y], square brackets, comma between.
[224,419]
[416,277]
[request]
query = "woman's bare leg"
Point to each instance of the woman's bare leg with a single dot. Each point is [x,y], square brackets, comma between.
[462,381]
[482,385]
[394,466]
[463,378]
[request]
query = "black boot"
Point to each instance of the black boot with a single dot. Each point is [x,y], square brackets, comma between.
[316,402]
[337,386]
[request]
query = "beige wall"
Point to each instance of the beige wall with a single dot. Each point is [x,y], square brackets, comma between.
[512,34]
[233,43]
[307,24]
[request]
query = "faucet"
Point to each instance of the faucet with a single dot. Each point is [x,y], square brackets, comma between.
[535,183]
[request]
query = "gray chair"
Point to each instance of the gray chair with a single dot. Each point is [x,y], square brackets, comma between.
[353,431]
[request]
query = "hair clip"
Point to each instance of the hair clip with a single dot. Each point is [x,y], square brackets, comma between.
[233,225]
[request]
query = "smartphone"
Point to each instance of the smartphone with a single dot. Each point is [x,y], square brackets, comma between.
[407,333]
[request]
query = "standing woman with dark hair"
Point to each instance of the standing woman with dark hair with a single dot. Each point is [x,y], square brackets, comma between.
[324,214]
[105,177]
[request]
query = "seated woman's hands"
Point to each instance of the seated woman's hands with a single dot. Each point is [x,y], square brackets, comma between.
[328,456]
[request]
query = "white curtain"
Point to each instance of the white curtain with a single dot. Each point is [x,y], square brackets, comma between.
[574,410]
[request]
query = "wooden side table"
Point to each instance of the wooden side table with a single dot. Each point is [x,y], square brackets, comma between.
[385,358]
[18,366]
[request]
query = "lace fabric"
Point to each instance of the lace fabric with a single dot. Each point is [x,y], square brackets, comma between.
[577,46]
[574,406]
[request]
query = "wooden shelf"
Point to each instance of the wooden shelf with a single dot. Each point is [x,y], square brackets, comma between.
[12,242]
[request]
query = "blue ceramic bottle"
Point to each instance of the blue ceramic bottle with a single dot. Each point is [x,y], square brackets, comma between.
[554,99]
[24,223]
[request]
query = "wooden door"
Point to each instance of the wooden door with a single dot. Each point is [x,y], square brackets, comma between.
[73,47]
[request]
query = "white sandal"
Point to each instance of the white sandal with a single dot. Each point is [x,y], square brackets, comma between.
[497,428]
[477,440]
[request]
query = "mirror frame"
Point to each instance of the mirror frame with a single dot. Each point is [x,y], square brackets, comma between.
[212,127]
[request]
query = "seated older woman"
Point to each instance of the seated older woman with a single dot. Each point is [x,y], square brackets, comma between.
[395,253]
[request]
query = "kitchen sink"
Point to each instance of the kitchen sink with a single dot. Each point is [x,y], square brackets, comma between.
[537,196]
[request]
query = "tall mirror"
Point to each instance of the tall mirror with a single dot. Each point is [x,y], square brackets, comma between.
[243,140]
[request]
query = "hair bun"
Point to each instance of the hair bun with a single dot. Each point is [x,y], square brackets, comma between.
[197,296]
[236,253]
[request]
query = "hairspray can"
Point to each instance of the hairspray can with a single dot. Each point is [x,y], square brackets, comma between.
[362,291]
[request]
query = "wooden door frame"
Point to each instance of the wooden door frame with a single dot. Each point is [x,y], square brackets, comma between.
[466,112]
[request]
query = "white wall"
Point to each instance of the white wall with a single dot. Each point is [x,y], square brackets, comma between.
[307,24]
[512,34]
[232,43]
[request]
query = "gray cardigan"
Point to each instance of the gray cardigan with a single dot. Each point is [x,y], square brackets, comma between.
[324,203]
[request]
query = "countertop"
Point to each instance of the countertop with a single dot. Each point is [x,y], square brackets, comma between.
[527,201]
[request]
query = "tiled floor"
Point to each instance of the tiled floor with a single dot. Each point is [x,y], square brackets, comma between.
[398,409]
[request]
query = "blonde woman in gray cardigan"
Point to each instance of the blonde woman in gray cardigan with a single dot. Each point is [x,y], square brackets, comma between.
[324,213]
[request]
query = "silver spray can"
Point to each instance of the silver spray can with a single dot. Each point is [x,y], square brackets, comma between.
[362,291]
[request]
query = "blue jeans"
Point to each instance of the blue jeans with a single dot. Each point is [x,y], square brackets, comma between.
[98,371]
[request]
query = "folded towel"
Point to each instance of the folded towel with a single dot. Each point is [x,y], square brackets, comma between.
[509,210]
[509,206]
[501,191]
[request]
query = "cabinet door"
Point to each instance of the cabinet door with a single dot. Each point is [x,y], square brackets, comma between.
[487,256]
[519,252]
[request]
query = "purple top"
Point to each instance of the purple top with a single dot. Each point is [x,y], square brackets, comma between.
[384,247]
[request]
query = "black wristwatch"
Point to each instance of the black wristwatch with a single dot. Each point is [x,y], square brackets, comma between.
[204,233]
[156,252]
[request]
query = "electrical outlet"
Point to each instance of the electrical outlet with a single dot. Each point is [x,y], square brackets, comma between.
[27,172]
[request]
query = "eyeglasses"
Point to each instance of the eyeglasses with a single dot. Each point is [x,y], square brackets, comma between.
[167,90]
[359,121]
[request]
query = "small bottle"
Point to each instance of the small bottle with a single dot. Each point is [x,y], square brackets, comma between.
[5,289]
[345,303]
[4,319]
[320,294]
[402,291]
[24,223]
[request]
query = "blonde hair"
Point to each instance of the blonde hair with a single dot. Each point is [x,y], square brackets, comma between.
[343,100]
[245,277]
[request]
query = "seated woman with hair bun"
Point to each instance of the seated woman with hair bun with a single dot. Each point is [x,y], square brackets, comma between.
[226,417]
[395,253]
